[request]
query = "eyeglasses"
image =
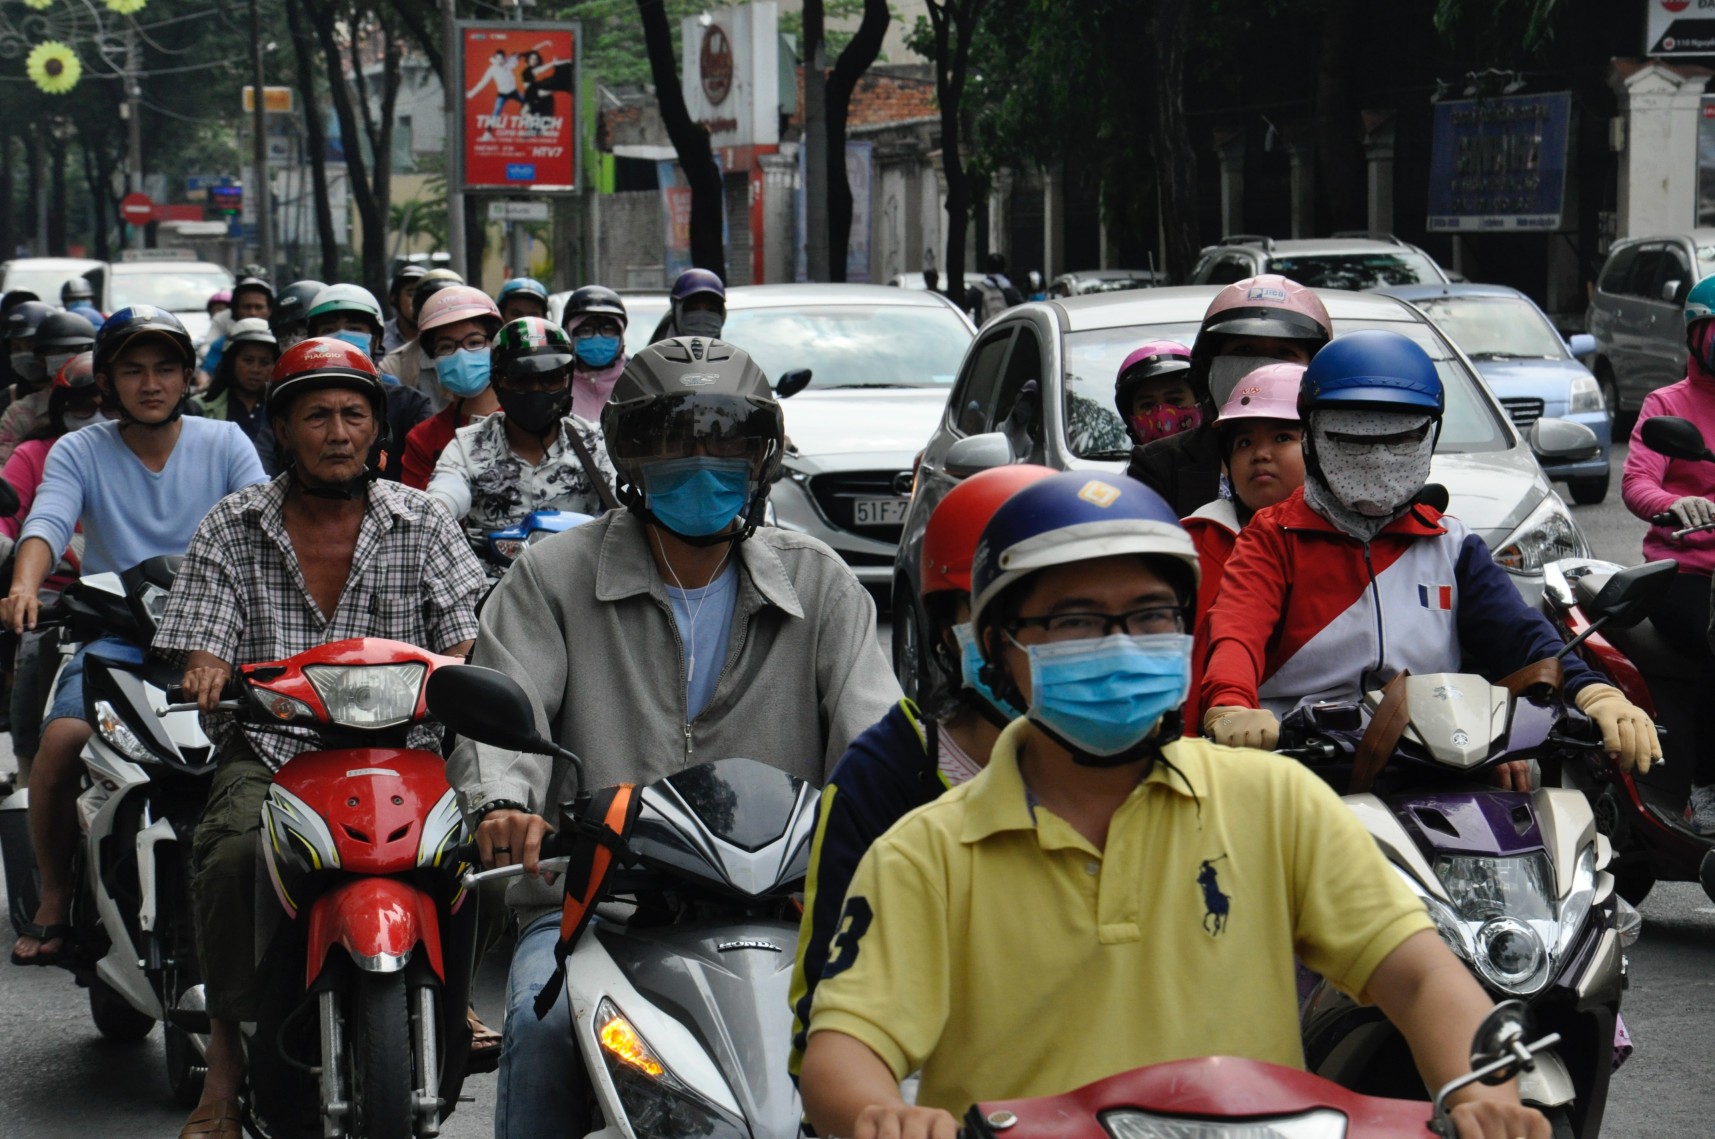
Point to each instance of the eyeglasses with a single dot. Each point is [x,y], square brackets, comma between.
[1087,626]
[475,342]
[593,328]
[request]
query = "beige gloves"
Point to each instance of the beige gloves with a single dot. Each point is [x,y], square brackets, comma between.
[1628,735]
[1242,727]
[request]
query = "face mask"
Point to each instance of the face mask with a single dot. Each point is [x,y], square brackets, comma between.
[697,496]
[701,322]
[78,422]
[1163,420]
[465,372]
[1372,480]
[1103,696]
[363,341]
[1225,372]
[597,351]
[971,667]
[535,412]
[28,367]
[57,361]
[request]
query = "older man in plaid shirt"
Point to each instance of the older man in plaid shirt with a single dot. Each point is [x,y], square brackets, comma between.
[322,553]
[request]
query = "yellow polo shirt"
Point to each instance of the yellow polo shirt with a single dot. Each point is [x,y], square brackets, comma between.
[989,944]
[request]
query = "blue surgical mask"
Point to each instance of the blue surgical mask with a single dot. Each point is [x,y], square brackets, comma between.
[465,372]
[357,338]
[971,666]
[597,351]
[1104,695]
[697,496]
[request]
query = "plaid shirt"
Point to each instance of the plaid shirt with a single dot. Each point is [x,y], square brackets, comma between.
[241,594]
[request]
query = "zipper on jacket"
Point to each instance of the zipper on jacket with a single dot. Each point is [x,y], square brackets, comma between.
[1376,603]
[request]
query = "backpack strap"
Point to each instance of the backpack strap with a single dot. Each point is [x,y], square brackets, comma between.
[1381,737]
[600,831]
[598,481]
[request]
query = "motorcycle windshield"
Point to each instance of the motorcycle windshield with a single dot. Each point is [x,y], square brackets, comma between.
[730,824]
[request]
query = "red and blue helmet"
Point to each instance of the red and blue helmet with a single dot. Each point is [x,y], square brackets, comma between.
[1372,370]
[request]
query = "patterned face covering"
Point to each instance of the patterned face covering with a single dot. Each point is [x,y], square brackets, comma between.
[1370,464]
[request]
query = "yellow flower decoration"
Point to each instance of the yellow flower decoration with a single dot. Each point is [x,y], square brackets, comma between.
[53,67]
[39,5]
[125,7]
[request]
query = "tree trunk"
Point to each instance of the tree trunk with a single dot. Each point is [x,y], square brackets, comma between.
[92,180]
[56,196]
[1339,153]
[380,138]
[423,37]
[690,141]
[372,214]
[953,22]
[8,220]
[1175,160]
[848,69]
[818,158]
[316,139]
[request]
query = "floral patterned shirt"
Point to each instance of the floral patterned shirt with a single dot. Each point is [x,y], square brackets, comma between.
[482,481]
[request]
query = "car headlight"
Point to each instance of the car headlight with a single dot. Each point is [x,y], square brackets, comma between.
[118,735]
[1549,534]
[1586,395]
[368,695]
[1323,1123]
[657,1103]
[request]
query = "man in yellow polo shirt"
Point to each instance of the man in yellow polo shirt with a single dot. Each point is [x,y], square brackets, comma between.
[1106,894]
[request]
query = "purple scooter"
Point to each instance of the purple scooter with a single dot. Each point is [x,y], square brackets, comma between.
[1515,882]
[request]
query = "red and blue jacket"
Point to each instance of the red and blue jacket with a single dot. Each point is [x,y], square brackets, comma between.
[1307,613]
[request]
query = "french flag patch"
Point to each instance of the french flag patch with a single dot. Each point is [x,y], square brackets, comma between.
[1439,597]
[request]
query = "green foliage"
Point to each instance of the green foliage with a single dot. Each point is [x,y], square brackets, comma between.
[613,34]
[1496,31]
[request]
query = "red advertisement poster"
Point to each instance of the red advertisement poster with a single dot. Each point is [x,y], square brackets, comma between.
[520,122]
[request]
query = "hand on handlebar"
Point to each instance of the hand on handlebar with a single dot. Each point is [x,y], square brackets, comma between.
[1693,510]
[204,685]
[1242,727]
[1499,1119]
[507,837]
[19,609]
[902,1121]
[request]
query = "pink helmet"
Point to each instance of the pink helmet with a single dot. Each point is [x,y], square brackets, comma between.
[455,303]
[1149,361]
[220,297]
[1270,392]
[1268,305]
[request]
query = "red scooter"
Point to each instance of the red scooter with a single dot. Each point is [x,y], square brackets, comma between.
[367,969]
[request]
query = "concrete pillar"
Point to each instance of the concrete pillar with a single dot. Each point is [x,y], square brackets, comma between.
[1378,157]
[1301,152]
[779,228]
[1659,109]
[1000,213]
[1230,149]
[1053,222]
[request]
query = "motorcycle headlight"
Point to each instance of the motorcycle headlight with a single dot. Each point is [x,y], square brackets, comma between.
[1586,395]
[1322,1123]
[1507,913]
[1447,923]
[657,1103]
[1549,534]
[118,735]
[368,695]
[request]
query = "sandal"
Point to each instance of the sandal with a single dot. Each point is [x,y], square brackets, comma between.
[43,934]
[217,1120]
[484,1046]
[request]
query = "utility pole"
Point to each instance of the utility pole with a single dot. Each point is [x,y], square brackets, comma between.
[264,189]
[134,113]
[452,88]
[815,144]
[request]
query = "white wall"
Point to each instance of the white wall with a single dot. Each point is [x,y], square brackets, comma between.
[1658,166]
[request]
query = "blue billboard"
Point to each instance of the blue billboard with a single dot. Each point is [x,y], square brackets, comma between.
[1499,164]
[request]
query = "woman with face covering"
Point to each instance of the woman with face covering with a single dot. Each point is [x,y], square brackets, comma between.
[455,328]
[596,320]
[1353,579]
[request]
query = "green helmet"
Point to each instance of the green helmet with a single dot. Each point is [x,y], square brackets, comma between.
[1700,302]
[346,298]
[531,346]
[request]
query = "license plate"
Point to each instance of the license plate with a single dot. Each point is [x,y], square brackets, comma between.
[880,511]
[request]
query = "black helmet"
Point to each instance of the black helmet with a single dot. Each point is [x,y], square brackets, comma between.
[432,282]
[15,297]
[77,289]
[407,274]
[65,330]
[594,300]
[23,321]
[531,346]
[293,304]
[127,324]
[253,285]
[688,390]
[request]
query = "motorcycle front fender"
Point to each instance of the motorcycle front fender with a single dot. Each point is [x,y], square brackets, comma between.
[378,922]
[1549,1084]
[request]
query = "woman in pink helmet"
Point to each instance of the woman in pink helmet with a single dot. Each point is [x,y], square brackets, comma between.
[1253,322]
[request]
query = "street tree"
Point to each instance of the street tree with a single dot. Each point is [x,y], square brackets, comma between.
[855,59]
[945,37]
[690,141]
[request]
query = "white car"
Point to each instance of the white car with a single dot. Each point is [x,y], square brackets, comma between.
[180,287]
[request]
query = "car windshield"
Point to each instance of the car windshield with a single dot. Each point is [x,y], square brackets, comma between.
[1357,271]
[176,290]
[1489,328]
[1093,427]
[45,283]
[854,346]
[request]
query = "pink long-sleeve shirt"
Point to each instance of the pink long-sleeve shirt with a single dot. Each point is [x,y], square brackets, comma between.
[24,471]
[1652,482]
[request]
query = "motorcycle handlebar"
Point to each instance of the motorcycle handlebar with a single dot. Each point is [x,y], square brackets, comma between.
[1669,518]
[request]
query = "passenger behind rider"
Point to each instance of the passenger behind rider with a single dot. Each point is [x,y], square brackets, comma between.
[1153,392]
[908,758]
[596,320]
[994,939]
[532,454]
[252,299]
[675,631]
[236,393]
[1250,323]
[401,327]
[412,364]
[1353,579]
[456,324]
[521,297]
[374,559]
[290,320]
[40,345]
[697,308]
[1653,484]
[139,486]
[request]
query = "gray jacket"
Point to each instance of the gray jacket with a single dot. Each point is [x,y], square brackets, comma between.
[582,621]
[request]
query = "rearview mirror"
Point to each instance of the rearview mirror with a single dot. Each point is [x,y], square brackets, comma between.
[1675,437]
[792,383]
[1552,439]
[1670,291]
[976,453]
[1630,595]
[1507,1026]
[1581,345]
[486,706]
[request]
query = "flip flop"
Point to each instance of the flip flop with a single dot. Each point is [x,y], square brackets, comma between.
[218,1120]
[44,934]
[484,1046]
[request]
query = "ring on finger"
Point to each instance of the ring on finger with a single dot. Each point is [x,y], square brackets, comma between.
[503,850]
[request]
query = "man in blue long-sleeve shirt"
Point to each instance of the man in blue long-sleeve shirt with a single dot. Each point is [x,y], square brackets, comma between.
[139,486]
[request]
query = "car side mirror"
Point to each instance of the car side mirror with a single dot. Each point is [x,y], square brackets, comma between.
[1632,594]
[486,706]
[792,383]
[1507,1026]
[1676,438]
[1670,291]
[976,453]
[1581,345]
[1562,439]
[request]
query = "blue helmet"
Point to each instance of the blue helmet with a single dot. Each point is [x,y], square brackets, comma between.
[1075,516]
[529,286]
[1372,370]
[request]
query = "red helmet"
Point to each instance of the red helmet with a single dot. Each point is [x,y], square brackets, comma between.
[323,362]
[950,539]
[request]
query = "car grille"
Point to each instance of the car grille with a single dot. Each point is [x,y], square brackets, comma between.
[1524,412]
[836,495]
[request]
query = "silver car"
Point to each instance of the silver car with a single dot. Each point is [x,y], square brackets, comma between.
[1344,261]
[880,361]
[1038,386]
[1637,314]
